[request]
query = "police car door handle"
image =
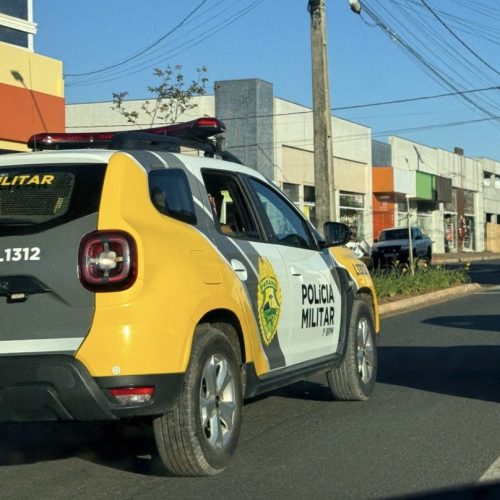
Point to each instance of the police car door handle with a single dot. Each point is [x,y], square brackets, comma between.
[239,269]
[295,272]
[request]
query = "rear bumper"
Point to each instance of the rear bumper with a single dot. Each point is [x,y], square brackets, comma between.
[59,387]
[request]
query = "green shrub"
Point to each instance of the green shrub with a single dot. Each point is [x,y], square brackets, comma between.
[398,280]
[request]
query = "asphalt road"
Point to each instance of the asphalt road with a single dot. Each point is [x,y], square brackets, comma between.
[432,423]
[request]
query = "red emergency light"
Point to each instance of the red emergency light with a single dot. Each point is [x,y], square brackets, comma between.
[199,130]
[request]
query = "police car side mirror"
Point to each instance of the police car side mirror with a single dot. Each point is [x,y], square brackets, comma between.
[336,234]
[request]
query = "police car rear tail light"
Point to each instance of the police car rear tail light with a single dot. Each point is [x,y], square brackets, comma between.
[107,261]
[133,395]
[199,129]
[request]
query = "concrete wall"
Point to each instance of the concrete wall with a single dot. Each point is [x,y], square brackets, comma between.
[246,106]
[491,187]
[294,158]
[404,182]
[466,173]
[98,116]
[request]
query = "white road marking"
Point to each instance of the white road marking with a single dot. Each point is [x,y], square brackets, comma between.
[493,472]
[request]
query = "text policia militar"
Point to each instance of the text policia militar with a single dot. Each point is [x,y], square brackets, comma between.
[26,180]
[317,305]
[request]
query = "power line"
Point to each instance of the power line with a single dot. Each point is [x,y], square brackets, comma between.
[458,38]
[146,49]
[445,80]
[350,137]
[196,39]
[354,106]
[413,99]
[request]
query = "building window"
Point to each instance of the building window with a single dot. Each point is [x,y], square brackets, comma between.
[354,200]
[14,37]
[14,8]
[309,194]
[309,208]
[452,205]
[292,191]
[469,202]
[352,213]
[487,178]
[450,232]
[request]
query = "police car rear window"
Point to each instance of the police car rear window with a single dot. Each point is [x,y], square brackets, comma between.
[33,198]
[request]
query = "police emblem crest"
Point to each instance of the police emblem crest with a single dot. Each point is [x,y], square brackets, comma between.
[268,300]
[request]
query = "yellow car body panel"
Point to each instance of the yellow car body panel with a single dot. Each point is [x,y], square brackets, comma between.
[360,275]
[135,331]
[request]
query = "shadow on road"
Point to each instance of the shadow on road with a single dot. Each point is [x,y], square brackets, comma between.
[464,371]
[483,322]
[484,273]
[120,446]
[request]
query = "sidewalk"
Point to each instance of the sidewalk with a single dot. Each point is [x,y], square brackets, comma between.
[447,258]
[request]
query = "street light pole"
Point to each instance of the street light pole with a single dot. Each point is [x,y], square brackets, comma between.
[410,242]
[323,150]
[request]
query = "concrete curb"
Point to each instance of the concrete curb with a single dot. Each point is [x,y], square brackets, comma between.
[463,258]
[427,299]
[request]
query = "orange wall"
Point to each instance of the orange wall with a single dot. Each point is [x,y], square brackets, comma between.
[25,112]
[383,179]
[31,96]
[383,199]
[383,213]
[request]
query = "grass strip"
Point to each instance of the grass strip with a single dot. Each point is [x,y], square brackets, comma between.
[399,281]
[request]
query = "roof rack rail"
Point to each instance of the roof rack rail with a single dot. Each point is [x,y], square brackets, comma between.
[196,134]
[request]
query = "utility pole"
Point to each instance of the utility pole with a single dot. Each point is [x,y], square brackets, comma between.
[323,150]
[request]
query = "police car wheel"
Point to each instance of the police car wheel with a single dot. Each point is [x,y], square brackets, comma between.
[354,379]
[199,436]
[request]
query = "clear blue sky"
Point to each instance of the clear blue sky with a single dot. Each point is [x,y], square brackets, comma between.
[456,43]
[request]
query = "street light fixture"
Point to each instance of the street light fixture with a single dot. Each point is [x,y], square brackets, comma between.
[355,6]
[410,242]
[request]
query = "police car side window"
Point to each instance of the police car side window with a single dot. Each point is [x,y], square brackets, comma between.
[229,207]
[170,193]
[287,225]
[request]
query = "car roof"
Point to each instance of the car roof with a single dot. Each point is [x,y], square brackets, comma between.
[78,156]
[57,156]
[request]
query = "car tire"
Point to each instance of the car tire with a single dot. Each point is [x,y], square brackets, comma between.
[199,435]
[354,379]
[428,257]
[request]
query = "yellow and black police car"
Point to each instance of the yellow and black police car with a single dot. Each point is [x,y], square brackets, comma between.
[139,278]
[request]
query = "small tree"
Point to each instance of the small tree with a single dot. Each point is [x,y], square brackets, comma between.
[170,100]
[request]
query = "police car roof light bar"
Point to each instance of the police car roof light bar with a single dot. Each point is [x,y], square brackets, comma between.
[200,130]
